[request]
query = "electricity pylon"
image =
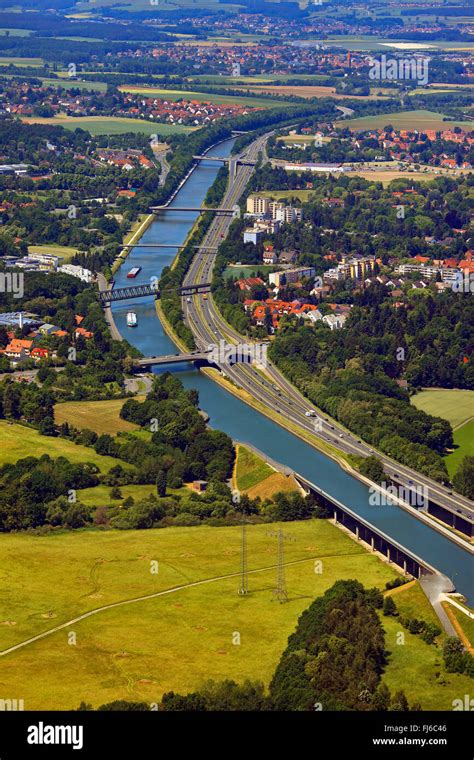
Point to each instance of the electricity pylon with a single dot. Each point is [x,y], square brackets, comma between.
[280,592]
[244,577]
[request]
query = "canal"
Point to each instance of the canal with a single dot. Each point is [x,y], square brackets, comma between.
[242,422]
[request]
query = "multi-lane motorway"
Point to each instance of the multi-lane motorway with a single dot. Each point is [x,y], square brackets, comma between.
[271,388]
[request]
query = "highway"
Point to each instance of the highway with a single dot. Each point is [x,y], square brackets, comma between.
[271,388]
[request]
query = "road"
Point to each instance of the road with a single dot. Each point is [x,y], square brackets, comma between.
[274,391]
[109,317]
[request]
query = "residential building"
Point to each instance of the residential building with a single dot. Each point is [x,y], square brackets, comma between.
[77,271]
[285,276]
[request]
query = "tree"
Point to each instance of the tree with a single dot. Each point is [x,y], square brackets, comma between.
[372,468]
[463,480]
[115,493]
[389,607]
[161,482]
[399,702]
[47,426]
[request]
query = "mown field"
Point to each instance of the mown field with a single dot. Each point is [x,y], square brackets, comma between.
[456,406]
[203,97]
[99,416]
[181,638]
[175,641]
[19,442]
[250,469]
[109,125]
[312,91]
[420,119]
[464,442]
[255,477]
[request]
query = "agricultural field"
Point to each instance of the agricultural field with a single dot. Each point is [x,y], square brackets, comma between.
[386,176]
[464,443]
[99,496]
[249,469]
[99,416]
[300,195]
[420,119]
[20,62]
[370,43]
[202,97]
[66,83]
[19,441]
[455,406]
[312,91]
[179,638]
[182,635]
[108,125]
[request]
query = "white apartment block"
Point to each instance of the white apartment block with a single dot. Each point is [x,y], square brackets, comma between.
[76,271]
[290,275]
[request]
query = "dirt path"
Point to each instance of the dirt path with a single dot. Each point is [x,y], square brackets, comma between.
[113,605]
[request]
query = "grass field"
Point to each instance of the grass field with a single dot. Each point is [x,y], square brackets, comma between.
[100,495]
[312,91]
[300,195]
[455,406]
[417,667]
[250,469]
[19,442]
[64,252]
[420,120]
[464,442]
[386,176]
[67,83]
[179,639]
[99,416]
[252,475]
[247,270]
[109,125]
[7,60]
[466,623]
[203,97]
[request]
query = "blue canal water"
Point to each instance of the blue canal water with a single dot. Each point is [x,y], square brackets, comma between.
[243,423]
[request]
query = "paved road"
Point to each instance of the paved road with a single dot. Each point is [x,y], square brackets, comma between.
[276,392]
[109,317]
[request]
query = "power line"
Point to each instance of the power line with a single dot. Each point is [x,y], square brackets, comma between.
[244,577]
[280,591]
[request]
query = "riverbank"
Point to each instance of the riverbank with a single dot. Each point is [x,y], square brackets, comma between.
[341,459]
[132,238]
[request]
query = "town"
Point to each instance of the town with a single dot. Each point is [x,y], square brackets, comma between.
[236,370]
